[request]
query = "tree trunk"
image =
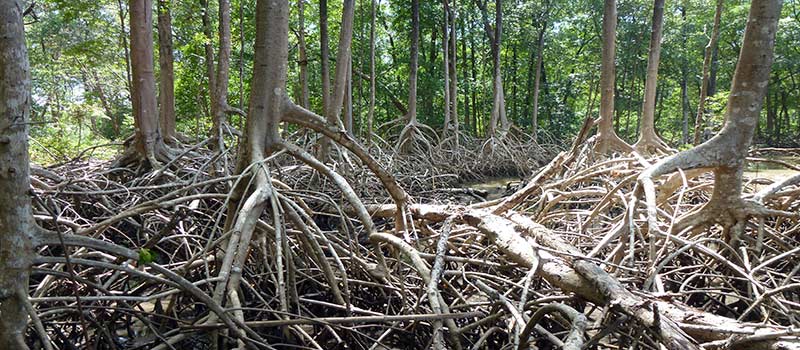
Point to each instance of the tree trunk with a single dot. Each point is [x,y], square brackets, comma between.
[301,47]
[16,216]
[348,99]
[536,81]
[209,51]
[701,104]
[453,69]
[413,63]
[166,76]
[371,113]
[446,65]
[336,99]
[607,139]
[649,141]
[125,47]
[219,91]
[148,143]
[324,53]
[727,151]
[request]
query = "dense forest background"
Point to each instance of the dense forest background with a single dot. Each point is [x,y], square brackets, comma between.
[80,67]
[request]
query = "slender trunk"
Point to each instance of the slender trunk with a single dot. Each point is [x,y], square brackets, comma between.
[324,52]
[16,218]
[536,81]
[301,44]
[698,123]
[148,141]
[166,94]
[684,90]
[648,139]
[453,69]
[371,113]
[241,56]
[125,47]
[336,99]
[219,95]
[607,139]
[446,65]
[412,67]
[348,99]
[209,52]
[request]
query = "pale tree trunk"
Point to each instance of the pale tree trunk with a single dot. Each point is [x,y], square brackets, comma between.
[124,41]
[453,69]
[537,81]
[208,46]
[148,143]
[336,98]
[371,113]
[413,63]
[498,97]
[407,135]
[324,52]
[701,104]
[446,65]
[17,226]
[727,151]
[607,139]
[649,141]
[166,77]
[348,99]
[219,91]
[684,81]
[301,47]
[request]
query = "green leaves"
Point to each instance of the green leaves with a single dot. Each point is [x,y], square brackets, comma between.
[146,256]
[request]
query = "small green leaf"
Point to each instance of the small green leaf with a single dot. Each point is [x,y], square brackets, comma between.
[146,256]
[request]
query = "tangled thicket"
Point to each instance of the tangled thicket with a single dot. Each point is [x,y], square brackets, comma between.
[463,276]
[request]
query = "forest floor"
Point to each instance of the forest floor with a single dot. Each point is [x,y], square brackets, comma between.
[478,258]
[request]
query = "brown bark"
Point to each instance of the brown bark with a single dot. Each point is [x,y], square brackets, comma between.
[446,65]
[537,81]
[324,52]
[495,35]
[726,152]
[209,51]
[125,47]
[16,217]
[371,113]
[453,70]
[301,47]
[148,143]
[336,99]
[166,77]
[698,123]
[607,139]
[407,134]
[649,141]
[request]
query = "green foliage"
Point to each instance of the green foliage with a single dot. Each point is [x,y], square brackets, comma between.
[146,256]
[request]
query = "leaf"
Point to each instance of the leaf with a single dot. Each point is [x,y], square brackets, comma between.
[146,256]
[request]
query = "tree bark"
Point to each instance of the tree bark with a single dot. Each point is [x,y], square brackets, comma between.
[208,46]
[649,141]
[125,47]
[371,113]
[166,77]
[701,104]
[607,139]
[536,81]
[148,143]
[446,65]
[16,216]
[727,151]
[336,99]
[453,69]
[301,47]
[413,64]
[324,52]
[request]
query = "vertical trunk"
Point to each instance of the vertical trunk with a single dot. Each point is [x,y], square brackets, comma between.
[301,43]
[648,140]
[241,55]
[348,99]
[336,99]
[219,95]
[446,65]
[371,113]
[474,71]
[607,139]
[453,69]
[148,140]
[125,47]
[536,81]
[166,87]
[684,93]
[209,51]
[498,106]
[771,111]
[324,52]
[467,111]
[712,77]
[698,123]
[514,115]
[412,68]
[16,218]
